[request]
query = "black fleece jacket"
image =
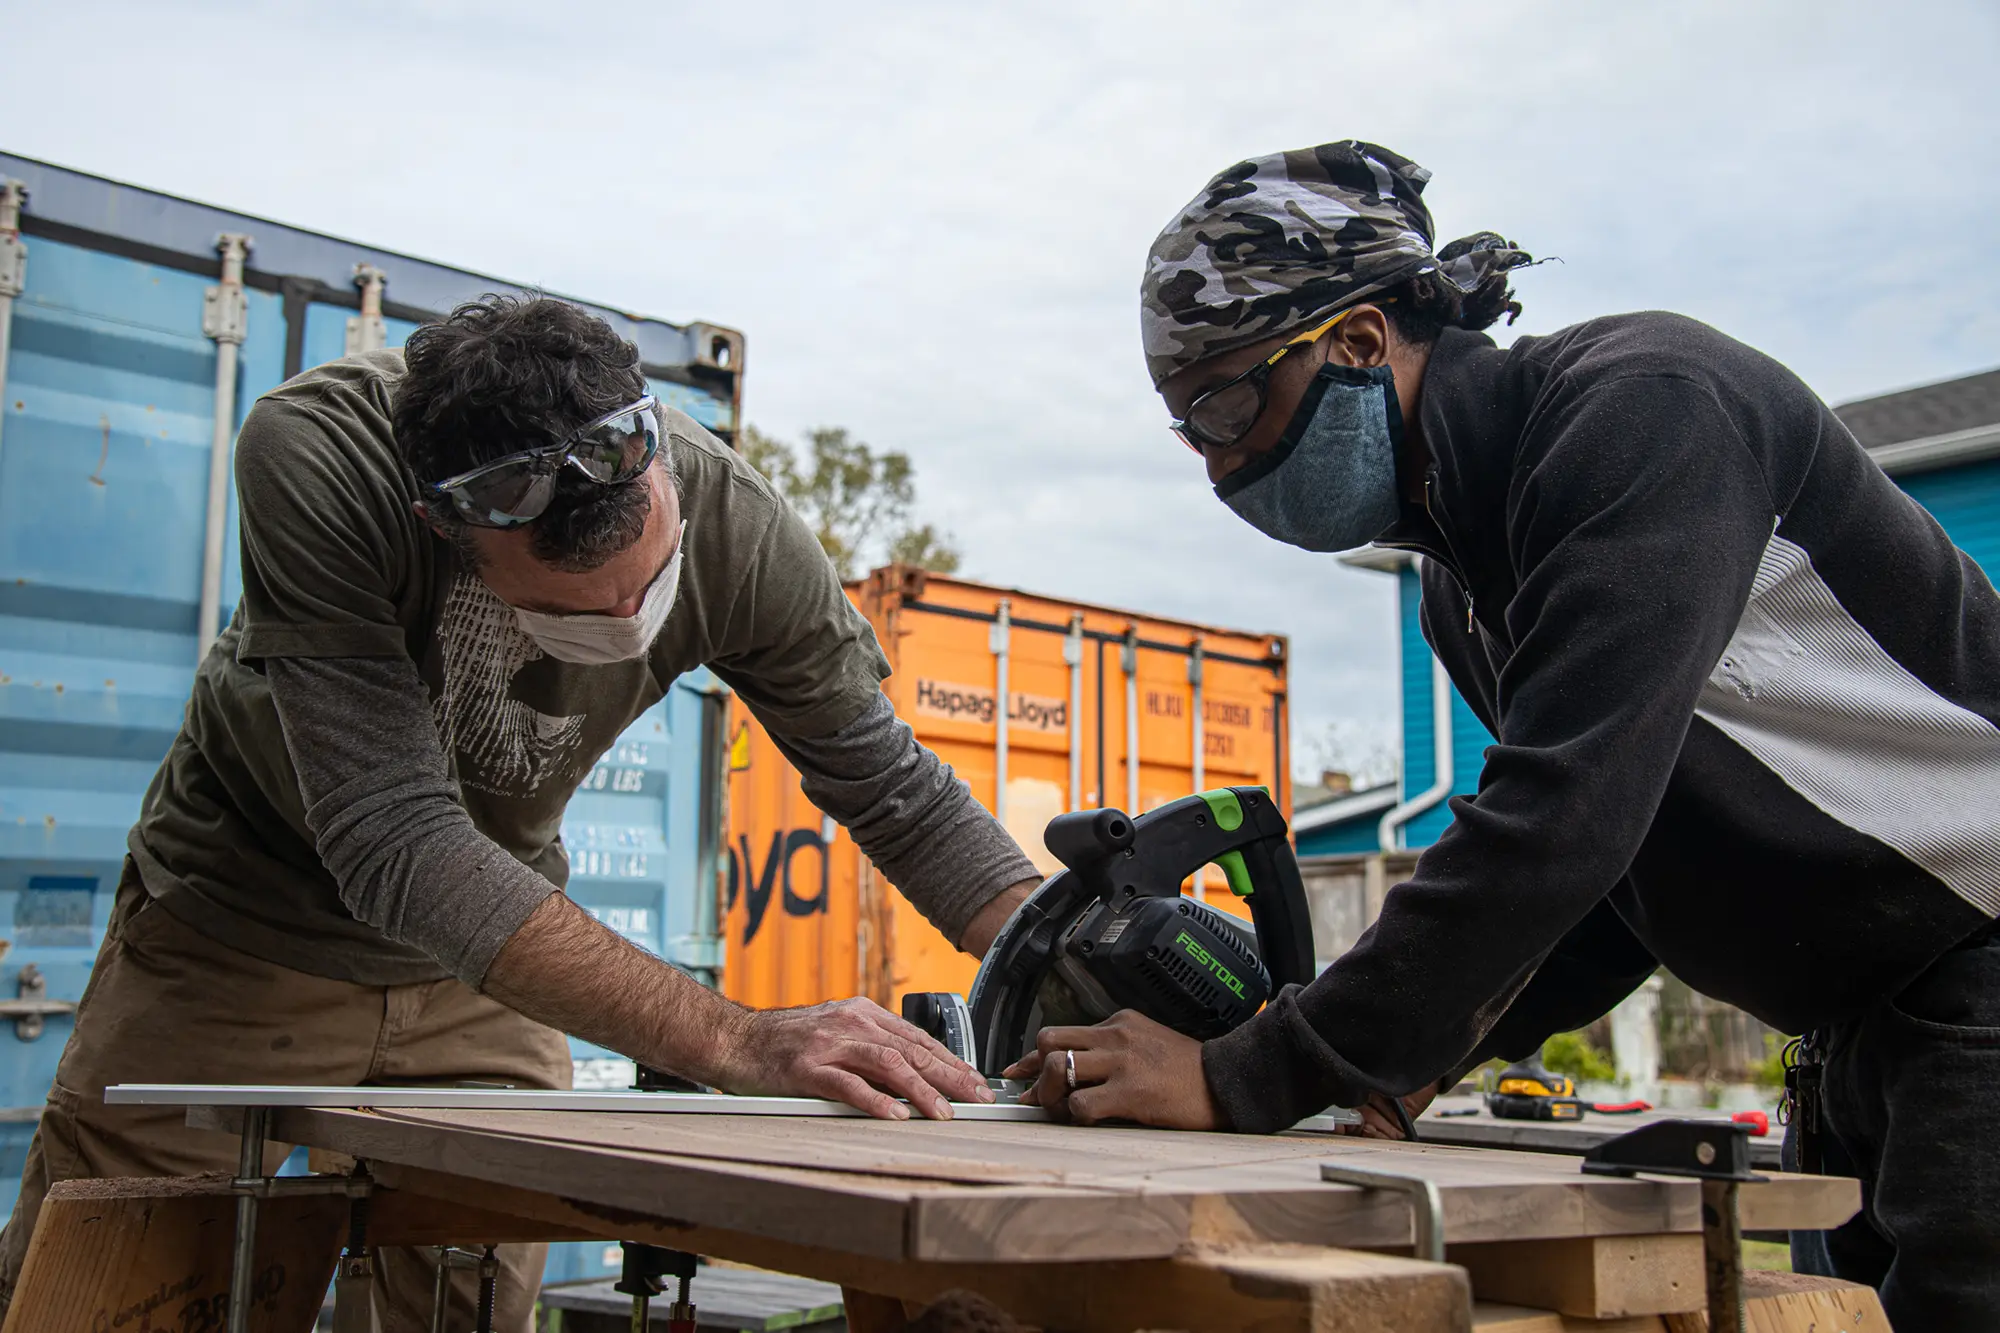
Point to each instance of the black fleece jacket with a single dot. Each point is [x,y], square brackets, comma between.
[1747,702]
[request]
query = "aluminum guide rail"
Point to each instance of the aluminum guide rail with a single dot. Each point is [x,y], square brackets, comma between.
[536,1099]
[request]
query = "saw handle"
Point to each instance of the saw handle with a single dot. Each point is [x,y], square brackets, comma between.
[1278,911]
[1084,839]
[1241,830]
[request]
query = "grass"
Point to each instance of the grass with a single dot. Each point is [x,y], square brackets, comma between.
[1767,1256]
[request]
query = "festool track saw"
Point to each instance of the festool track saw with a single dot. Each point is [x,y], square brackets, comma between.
[1113,931]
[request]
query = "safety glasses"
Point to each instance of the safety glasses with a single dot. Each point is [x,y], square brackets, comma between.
[1225,414]
[516,489]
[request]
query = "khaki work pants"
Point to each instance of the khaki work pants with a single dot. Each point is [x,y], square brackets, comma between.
[166,1004]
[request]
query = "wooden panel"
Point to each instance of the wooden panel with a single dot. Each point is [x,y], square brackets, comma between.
[139,1254]
[979,1191]
[1599,1277]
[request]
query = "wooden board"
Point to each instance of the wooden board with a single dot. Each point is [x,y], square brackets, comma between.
[1594,1277]
[977,1192]
[1270,1288]
[1772,1303]
[155,1254]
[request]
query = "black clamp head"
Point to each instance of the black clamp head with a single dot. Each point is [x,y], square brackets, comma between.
[1704,1149]
[646,1268]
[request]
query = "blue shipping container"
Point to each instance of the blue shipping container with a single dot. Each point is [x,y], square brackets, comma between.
[105,444]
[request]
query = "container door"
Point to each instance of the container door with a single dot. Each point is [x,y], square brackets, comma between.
[104,457]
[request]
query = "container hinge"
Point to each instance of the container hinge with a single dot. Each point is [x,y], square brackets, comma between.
[366,332]
[13,254]
[225,312]
[33,1008]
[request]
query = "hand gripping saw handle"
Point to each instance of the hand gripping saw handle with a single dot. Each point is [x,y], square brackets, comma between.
[1113,857]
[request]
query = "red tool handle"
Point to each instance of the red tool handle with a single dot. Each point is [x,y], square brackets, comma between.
[1760,1124]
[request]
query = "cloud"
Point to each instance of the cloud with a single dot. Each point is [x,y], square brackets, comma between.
[930,219]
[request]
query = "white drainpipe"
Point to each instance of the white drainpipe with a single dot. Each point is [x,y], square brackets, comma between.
[366,332]
[1073,656]
[1130,659]
[13,271]
[1390,831]
[1002,623]
[224,315]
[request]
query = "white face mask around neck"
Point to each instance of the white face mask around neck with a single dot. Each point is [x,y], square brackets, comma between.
[598,640]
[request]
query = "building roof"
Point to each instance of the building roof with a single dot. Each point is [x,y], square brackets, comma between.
[1354,805]
[1932,426]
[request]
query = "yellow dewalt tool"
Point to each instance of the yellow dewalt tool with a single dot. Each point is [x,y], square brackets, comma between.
[1529,1091]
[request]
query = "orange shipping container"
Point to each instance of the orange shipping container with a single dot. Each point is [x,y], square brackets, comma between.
[1105,707]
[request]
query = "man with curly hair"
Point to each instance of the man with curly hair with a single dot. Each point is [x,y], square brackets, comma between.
[468,566]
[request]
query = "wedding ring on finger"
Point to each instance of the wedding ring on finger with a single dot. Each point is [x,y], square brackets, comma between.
[1069,1070]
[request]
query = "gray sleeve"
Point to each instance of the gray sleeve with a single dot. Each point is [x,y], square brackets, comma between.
[385,815]
[910,815]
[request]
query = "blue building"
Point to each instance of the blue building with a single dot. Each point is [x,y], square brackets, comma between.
[1941,444]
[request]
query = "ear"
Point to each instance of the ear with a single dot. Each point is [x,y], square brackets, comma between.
[423,512]
[1362,339]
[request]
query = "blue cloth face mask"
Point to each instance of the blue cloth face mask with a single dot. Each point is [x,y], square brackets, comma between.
[1330,482]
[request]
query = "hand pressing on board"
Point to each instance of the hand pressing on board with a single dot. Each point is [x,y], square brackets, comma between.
[564,969]
[1378,1114]
[1127,1068]
[852,1051]
[1130,1068]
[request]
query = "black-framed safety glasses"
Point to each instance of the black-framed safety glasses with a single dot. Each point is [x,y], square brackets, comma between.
[514,490]
[1225,414]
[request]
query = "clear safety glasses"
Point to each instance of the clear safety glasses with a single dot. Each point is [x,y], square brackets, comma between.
[514,490]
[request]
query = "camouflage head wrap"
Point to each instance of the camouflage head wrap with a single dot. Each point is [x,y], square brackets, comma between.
[1279,242]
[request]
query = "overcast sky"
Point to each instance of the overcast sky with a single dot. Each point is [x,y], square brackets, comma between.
[930,219]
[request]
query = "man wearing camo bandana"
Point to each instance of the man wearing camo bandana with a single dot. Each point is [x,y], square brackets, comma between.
[1746,696]
[1277,242]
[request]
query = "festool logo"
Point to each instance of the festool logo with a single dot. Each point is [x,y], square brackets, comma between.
[1208,960]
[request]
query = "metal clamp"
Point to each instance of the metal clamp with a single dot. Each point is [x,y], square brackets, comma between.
[1426,1203]
[643,1275]
[1717,1153]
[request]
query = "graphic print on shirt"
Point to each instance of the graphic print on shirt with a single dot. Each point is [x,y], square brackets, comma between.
[1808,691]
[500,745]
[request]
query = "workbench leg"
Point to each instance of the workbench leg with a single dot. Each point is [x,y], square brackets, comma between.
[243,1257]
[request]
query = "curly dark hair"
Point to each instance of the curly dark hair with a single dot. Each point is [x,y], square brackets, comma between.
[506,373]
[1426,305]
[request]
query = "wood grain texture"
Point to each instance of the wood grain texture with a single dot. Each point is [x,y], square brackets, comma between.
[140,1254]
[1595,1277]
[979,1191]
[1270,1288]
[1794,1303]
